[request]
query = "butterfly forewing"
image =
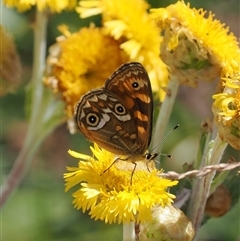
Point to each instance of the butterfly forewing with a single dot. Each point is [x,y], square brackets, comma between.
[132,86]
[118,117]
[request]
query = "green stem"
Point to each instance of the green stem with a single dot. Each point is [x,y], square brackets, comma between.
[40,122]
[129,232]
[164,114]
[201,187]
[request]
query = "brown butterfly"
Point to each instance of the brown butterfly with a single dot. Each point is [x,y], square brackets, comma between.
[118,116]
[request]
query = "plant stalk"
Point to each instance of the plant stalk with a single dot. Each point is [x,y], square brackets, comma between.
[164,114]
[33,136]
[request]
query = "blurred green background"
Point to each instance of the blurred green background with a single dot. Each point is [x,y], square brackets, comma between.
[40,209]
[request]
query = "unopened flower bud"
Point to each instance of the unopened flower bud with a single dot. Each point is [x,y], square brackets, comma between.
[168,224]
[218,202]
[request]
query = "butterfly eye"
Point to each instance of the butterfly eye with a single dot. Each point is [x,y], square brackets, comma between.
[92,119]
[119,109]
[136,85]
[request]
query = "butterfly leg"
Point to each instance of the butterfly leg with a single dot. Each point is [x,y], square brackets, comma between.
[119,159]
[150,157]
[135,166]
[111,165]
[148,167]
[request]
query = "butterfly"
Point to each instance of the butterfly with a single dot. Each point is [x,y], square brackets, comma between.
[118,116]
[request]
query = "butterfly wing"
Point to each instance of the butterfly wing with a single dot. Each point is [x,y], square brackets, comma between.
[131,84]
[103,119]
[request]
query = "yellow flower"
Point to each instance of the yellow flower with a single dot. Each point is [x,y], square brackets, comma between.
[196,47]
[107,191]
[129,22]
[53,5]
[226,110]
[81,61]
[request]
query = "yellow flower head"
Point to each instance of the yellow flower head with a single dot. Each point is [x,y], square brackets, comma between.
[196,47]
[81,61]
[226,109]
[109,195]
[53,5]
[129,22]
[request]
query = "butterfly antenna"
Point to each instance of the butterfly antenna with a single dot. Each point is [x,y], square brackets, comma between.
[167,155]
[173,129]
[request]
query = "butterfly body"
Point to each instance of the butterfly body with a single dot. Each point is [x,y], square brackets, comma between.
[118,116]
